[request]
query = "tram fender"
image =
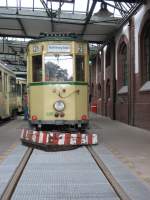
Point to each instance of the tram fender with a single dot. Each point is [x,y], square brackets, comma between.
[58,138]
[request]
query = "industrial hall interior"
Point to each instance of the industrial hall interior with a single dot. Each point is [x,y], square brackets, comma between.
[75,99]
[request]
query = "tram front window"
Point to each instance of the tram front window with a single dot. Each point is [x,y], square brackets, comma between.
[80,68]
[37,68]
[58,68]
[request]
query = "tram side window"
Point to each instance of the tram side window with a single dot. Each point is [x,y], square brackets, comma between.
[0,81]
[12,85]
[5,82]
[37,68]
[18,89]
[80,70]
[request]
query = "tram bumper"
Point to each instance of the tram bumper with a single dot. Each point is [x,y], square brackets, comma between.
[58,122]
[44,138]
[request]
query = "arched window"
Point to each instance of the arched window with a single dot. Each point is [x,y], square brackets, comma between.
[99,63]
[145,53]
[124,65]
[108,89]
[123,57]
[92,89]
[99,90]
[108,56]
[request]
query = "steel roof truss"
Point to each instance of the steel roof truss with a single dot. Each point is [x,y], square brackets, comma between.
[89,16]
[49,13]
[22,26]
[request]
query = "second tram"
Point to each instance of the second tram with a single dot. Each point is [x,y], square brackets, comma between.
[7,92]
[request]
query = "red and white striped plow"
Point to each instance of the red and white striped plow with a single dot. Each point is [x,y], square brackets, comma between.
[58,138]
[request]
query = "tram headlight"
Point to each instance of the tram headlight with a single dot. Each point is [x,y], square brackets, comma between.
[59,105]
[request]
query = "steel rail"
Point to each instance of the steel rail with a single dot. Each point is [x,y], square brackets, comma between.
[16,176]
[111,179]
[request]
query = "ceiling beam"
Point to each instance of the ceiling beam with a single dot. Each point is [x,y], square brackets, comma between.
[89,17]
[49,14]
[22,26]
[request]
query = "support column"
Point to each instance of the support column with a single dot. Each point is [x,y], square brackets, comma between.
[131,86]
[113,80]
[103,85]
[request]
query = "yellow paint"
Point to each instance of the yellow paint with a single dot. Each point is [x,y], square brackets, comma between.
[43,97]
[42,101]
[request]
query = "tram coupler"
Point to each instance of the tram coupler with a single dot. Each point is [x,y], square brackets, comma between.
[50,138]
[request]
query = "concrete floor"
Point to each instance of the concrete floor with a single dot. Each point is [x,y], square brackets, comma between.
[129,144]
[10,136]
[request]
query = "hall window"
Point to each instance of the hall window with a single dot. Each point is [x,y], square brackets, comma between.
[124,64]
[146,53]
[99,90]
[108,56]
[108,89]
[99,63]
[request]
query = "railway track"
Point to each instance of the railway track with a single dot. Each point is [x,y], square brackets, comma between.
[8,192]
[111,179]
[16,176]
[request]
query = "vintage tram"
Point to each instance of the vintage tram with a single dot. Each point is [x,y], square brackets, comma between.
[57,81]
[57,74]
[7,92]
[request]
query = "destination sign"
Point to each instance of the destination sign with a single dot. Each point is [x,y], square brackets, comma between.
[55,48]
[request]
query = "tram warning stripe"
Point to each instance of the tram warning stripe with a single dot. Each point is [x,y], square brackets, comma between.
[44,137]
[67,139]
[56,138]
[90,139]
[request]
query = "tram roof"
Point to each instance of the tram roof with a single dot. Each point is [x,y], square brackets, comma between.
[58,37]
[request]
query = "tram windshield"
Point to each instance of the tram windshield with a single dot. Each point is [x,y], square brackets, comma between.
[58,68]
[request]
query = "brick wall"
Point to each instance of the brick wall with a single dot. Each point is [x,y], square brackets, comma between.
[132,107]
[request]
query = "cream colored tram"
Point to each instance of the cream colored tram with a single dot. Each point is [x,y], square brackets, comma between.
[7,92]
[57,78]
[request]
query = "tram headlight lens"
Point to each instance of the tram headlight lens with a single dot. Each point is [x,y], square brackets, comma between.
[59,106]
